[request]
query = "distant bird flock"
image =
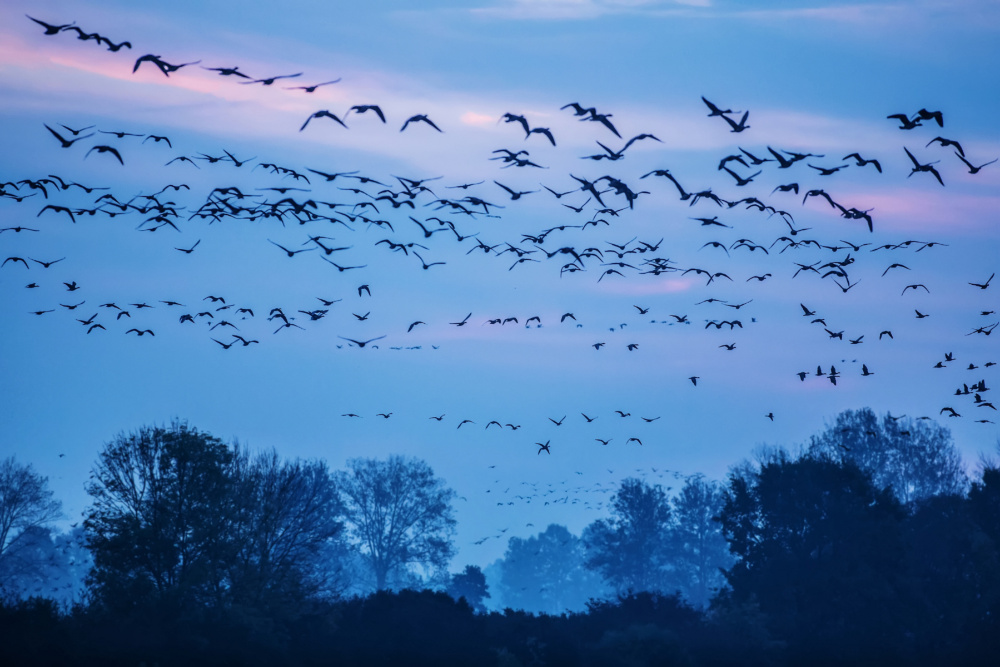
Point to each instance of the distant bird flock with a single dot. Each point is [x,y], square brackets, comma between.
[328,218]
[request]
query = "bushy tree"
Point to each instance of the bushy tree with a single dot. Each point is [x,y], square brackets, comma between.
[820,550]
[183,522]
[470,584]
[159,524]
[916,458]
[288,526]
[545,573]
[26,504]
[400,518]
[630,549]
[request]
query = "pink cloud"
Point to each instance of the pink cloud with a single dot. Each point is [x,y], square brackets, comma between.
[477,119]
[926,210]
[652,287]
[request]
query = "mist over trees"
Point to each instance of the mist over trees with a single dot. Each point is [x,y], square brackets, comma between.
[699,553]
[400,519]
[916,458]
[629,549]
[656,543]
[869,545]
[26,505]
[546,573]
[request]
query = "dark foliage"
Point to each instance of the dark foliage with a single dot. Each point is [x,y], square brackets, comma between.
[829,566]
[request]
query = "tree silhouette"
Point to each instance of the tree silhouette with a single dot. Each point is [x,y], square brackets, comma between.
[158,527]
[26,504]
[182,521]
[820,550]
[630,548]
[400,517]
[470,584]
[915,458]
[289,523]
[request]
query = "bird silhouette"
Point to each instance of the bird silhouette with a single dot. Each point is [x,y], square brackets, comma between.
[972,168]
[270,80]
[362,108]
[66,143]
[107,149]
[323,113]
[917,167]
[737,126]
[163,66]
[360,343]
[984,285]
[52,29]
[420,118]
[312,88]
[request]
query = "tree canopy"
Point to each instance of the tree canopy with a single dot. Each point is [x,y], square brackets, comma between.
[816,540]
[546,573]
[629,548]
[400,517]
[185,521]
[916,458]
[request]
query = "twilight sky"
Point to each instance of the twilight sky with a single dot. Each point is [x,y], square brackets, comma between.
[815,77]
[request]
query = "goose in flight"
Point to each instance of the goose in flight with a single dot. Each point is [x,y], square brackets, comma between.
[360,343]
[420,118]
[917,167]
[164,66]
[323,113]
[66,143]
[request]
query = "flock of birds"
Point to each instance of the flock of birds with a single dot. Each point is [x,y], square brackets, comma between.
[425,223]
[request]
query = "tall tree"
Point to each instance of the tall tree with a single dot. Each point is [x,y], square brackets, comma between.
[630,548]
[699,551]
[159,523]
[916,458]
[26,504]
[400,517]
[289,517]
[182,520]
[820,550]
[545,573]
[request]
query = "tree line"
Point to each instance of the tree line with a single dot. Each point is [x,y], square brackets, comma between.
[867,544]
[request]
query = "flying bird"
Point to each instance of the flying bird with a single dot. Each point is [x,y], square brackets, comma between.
[972,168]
[740,126]
[362,108]
[52,29]
[312,89]
[107,149]
[323,113]
[420,118]
[360,343]
[270,80]
[917,167]
[164,66]
[984,285]
[66,143]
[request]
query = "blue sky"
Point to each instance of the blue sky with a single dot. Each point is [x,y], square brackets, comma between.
[815,77]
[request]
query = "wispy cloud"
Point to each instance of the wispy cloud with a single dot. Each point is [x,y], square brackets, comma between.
[974,14]
[577,9]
